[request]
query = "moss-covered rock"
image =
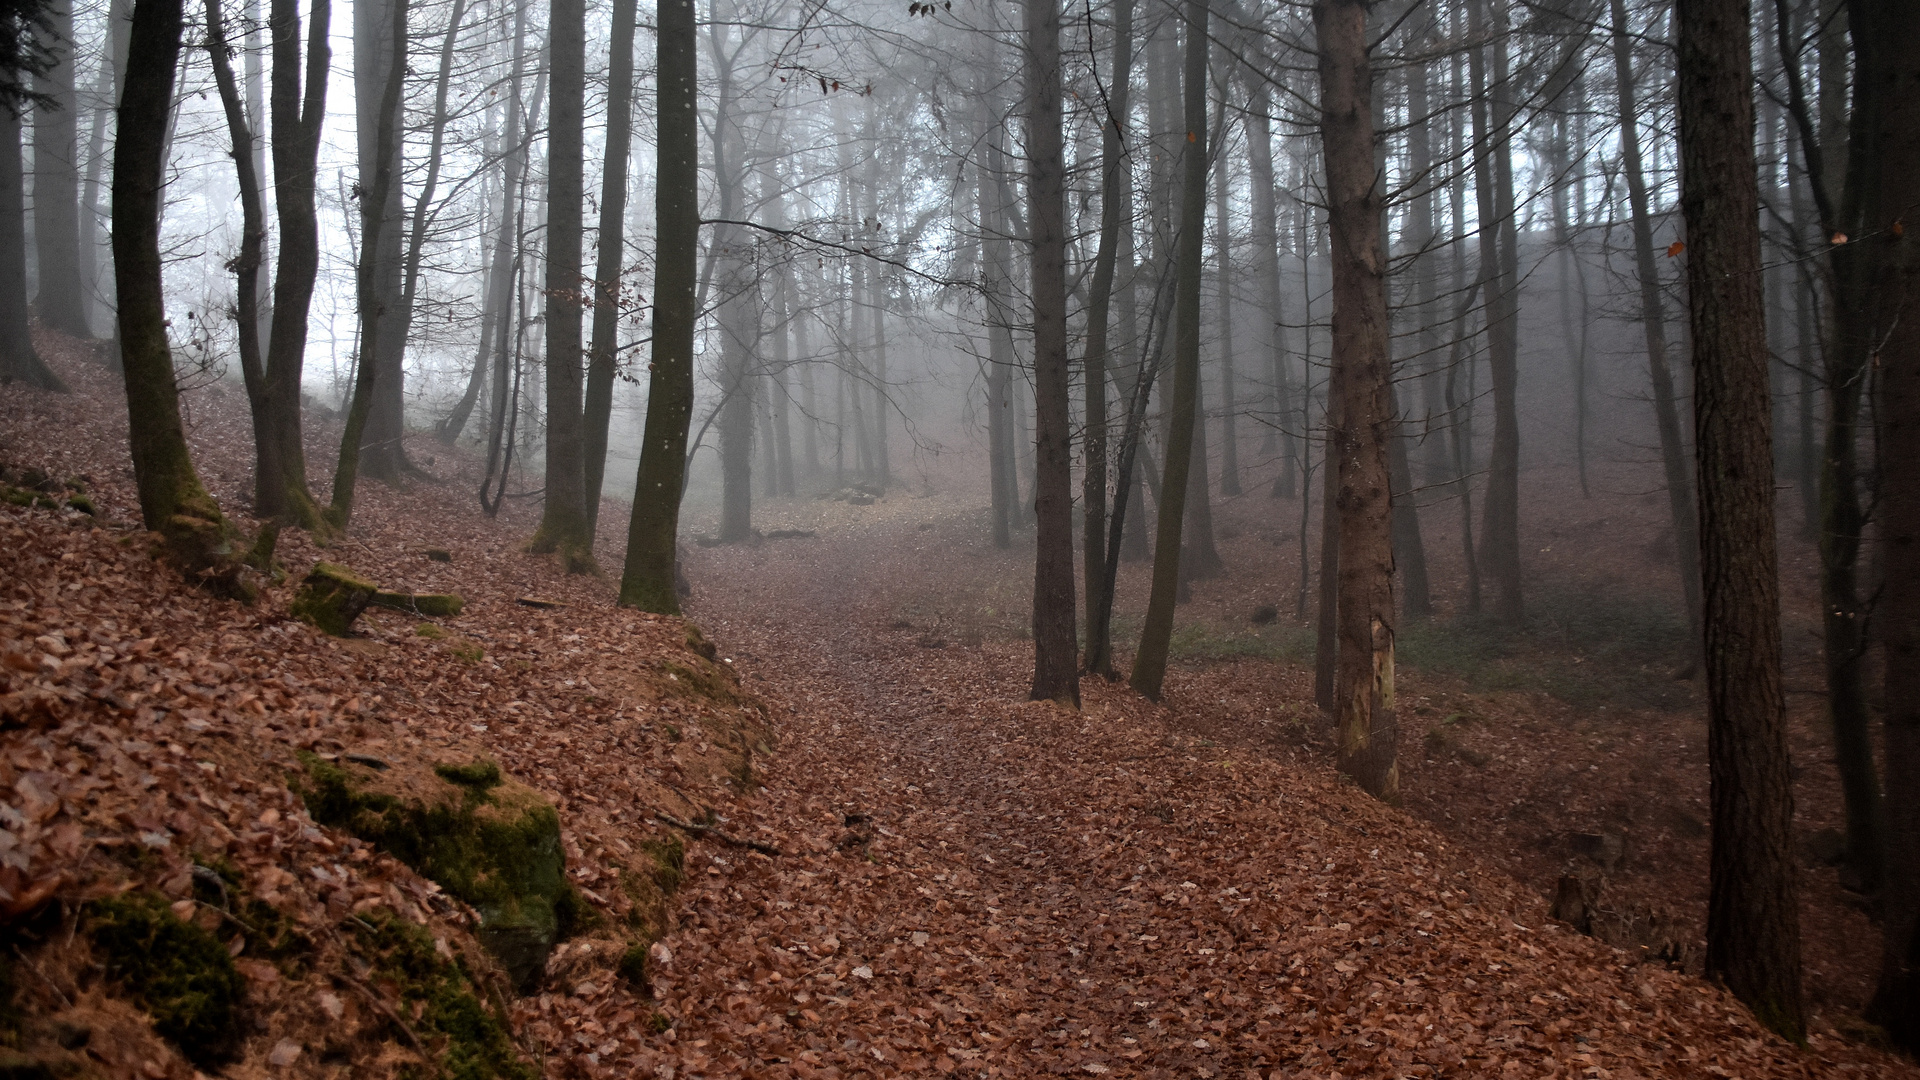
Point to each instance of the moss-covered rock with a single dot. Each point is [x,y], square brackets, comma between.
[471,1042]
[180,974]
[484,837]
[332,596]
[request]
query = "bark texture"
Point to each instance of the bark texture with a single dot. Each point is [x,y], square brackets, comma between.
[1363,413]
[1753,923]
[647,581]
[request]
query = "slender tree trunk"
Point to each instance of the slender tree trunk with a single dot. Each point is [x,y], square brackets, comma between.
[378,52]
[19,360]
[1653,321]
[173,502]
[1150,662]
[1266,261]
[253,228]
[1499,247]
[281,492]
[565,527]
[611,256]
[1115,204]
[1056,669]
[648,579]
[1753,923]
[62,299]
[1229,403]
[1000,355]
[1409,550]
[371,294]
[507,253]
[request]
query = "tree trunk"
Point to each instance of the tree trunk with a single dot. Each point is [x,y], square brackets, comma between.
[1753,923]
[1363,413]
[371,291]
[1000,355]
[1653,321]
[1887,131]
[172,501]
[19,361]
[379,51]
[1499,249]
[1115,215]
[647,581]
[1150,662]
[1229,402]
[246,264]
[610,258]
[62,299]
[565,526]
[1056,668]
[1409,550]
[1266,261]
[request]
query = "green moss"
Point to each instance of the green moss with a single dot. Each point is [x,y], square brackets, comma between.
[180,974]
[82,504]
[495,846]
[428,630]
[669,856]
[468,652]
[471,1041]
[633,965]
[331,597]
[432,605]
[478,775]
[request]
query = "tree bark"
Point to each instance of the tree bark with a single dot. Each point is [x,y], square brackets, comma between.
[1887,121]
[565,527]
[1056,667]
[1115,215]
[1266,260]
[647,581]
[1229,400]
[1363,413]
[62,299]
[380,51]
[1753,924]
[603,352]
[19,360]
[1653,322]
[173,502]
[1150,661]
[372,295]
[1499,247]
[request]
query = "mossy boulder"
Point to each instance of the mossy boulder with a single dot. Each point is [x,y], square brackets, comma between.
[180,974]
[484,837]
[332,596]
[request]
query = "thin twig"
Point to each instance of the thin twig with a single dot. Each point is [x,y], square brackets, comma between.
[709,830]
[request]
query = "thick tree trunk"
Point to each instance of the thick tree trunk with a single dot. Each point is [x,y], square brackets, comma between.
[739,301]
[1653,322]
[1150,662]
[19,361]
[1115,215]
[62,299]
[1363,420]
[1753,923]
[648,578]
[173,502]
[1056,667]
[565,526]
[611,257]
[1887,111]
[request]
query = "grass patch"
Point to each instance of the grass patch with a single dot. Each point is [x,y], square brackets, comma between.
[470,1041]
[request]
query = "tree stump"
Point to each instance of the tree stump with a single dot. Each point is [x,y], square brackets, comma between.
[332,596]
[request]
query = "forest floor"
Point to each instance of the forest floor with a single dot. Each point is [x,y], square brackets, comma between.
[967,883]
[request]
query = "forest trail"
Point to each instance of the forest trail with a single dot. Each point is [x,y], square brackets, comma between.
[982,886]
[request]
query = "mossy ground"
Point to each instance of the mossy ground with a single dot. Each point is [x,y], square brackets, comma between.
[471,1041]
[180,974]
[495,846]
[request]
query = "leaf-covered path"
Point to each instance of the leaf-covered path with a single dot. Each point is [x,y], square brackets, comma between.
[979,885]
